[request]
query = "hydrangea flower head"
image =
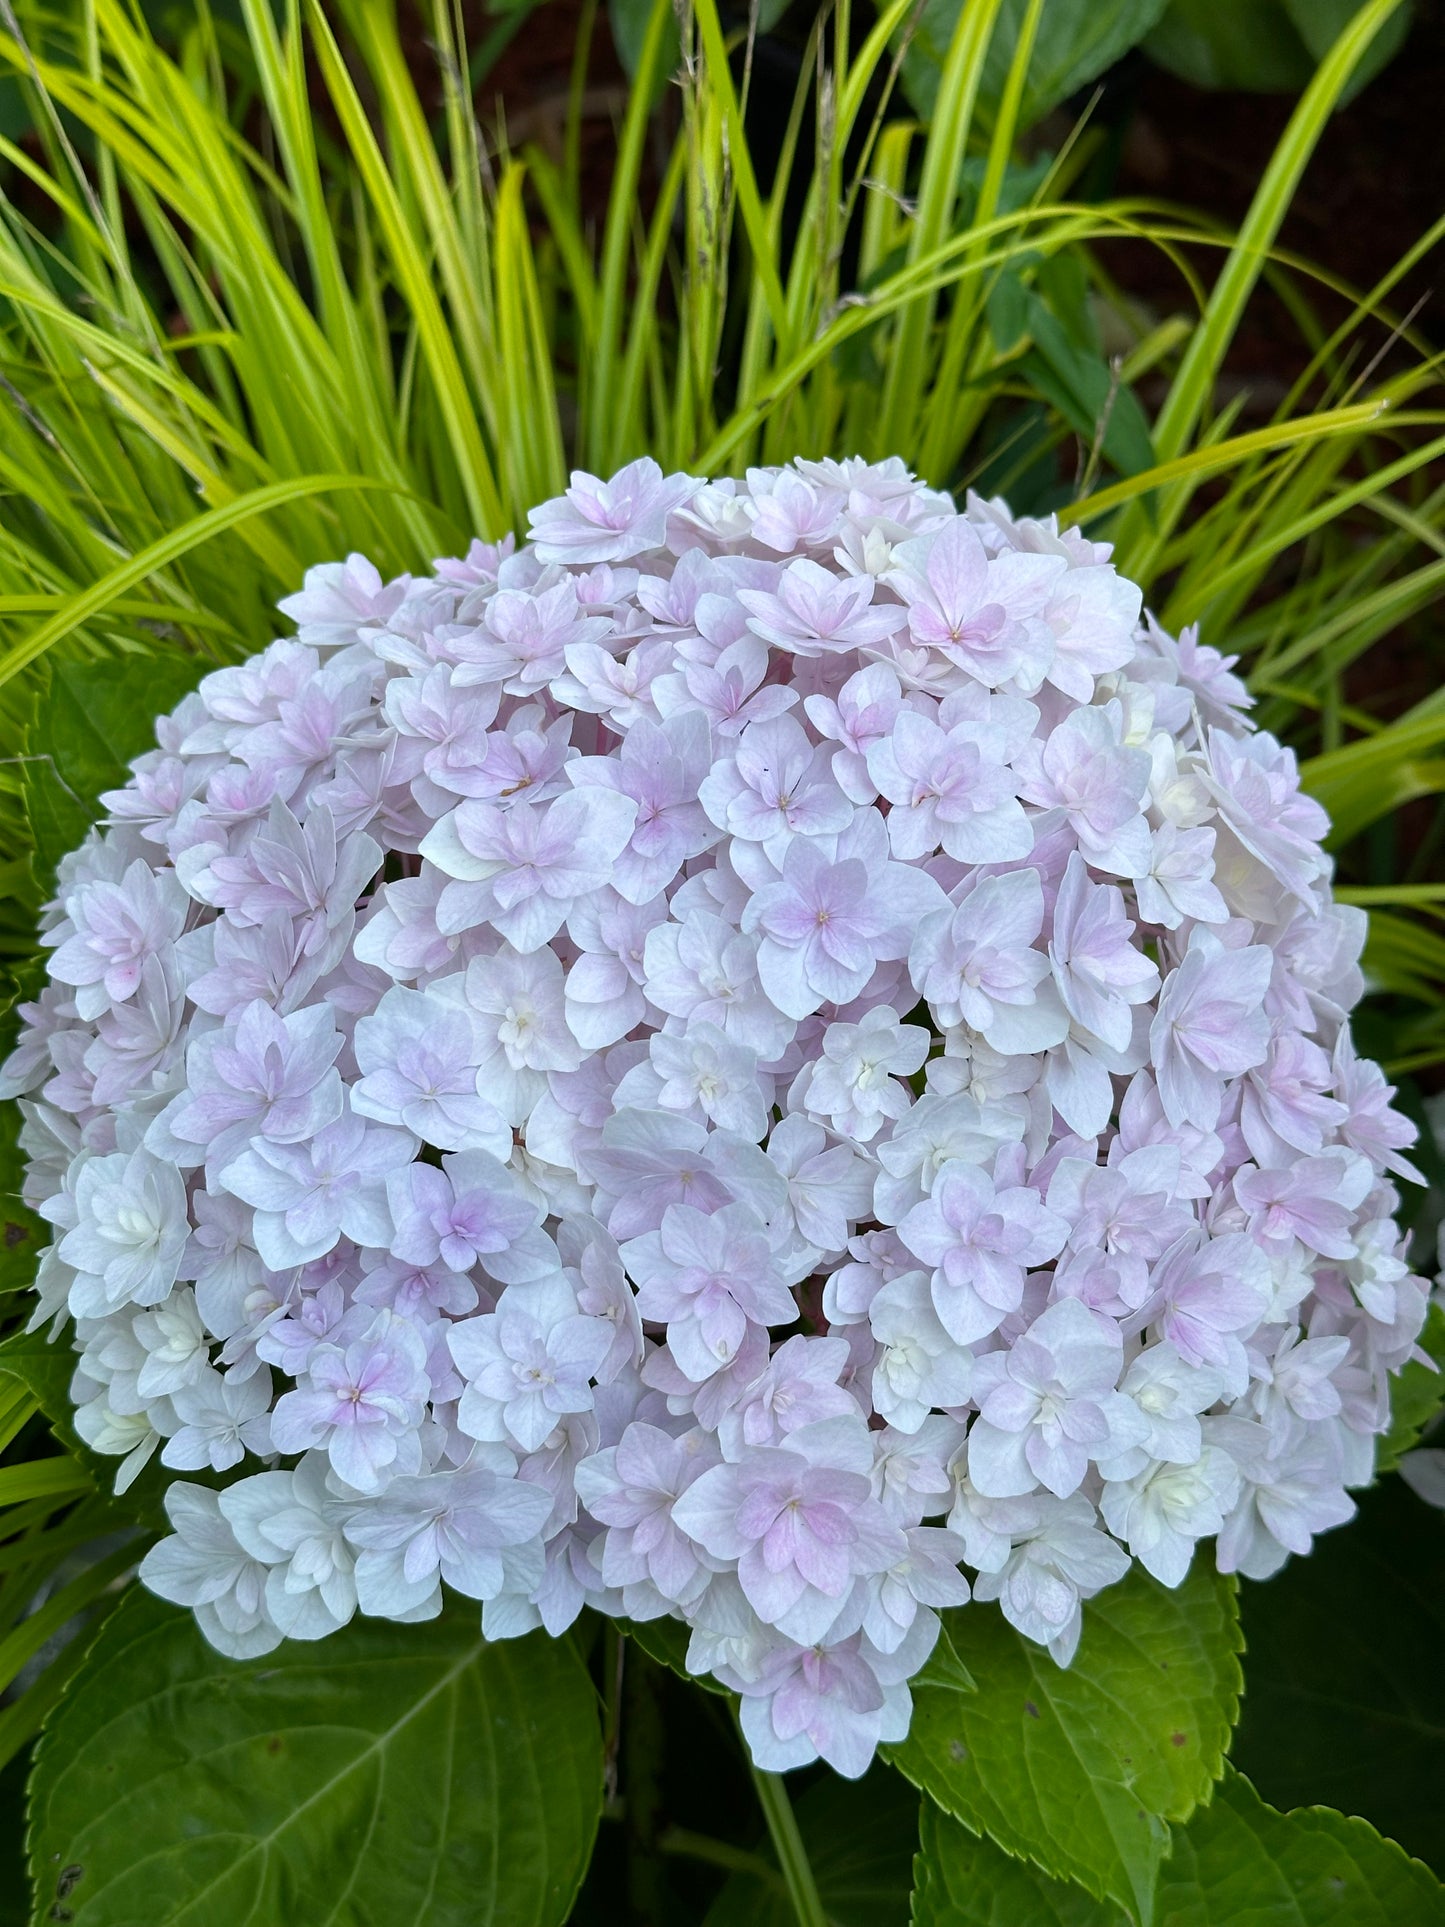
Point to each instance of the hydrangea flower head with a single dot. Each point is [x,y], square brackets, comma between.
[771,1055]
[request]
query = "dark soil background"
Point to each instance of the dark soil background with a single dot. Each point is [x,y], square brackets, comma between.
[1375,184]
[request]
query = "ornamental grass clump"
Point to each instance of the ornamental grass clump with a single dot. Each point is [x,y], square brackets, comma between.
[772,1045]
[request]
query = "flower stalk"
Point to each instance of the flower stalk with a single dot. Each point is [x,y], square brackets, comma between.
[788,1846]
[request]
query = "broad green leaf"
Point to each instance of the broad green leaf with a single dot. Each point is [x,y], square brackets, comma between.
[1008,311]
[1345,1691]
[860,1836]
[962,1881]
[1264,46]
[390,1776]
[1020,183]
[943,1669]
[628,20]
[1081,1768]
[1417,1396]
[1077,40]
[91,719]
[1250,44]
[1239,1863]
[1086,392]
[1319,23]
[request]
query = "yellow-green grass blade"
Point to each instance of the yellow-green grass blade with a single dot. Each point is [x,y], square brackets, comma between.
[437,346]
[52,1478]
[937,197]
[1212,580]
[745,186]
[602,436]
[1220,456]
[1193,387]
[26,1640]
[1362,620]
[168,549]
[22,1719]
[943,441]
[1369,778]
[1415,896]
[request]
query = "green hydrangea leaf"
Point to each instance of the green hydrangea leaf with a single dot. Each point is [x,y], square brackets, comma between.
[1075,43]
[1250,44]
[1345,1699]
[1239,1863]
[390,1776]
[1087,393]
[943,1669]
[1417,1396]
[1080,1769]
[91,719]
[1265,46]
[1319,24]
[962,1881]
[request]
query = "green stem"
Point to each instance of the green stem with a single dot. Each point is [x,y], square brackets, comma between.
[614,1649]
[682,1841]
[643,1740]
[788,1846]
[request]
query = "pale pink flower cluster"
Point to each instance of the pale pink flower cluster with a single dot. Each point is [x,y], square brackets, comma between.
[771,1046]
